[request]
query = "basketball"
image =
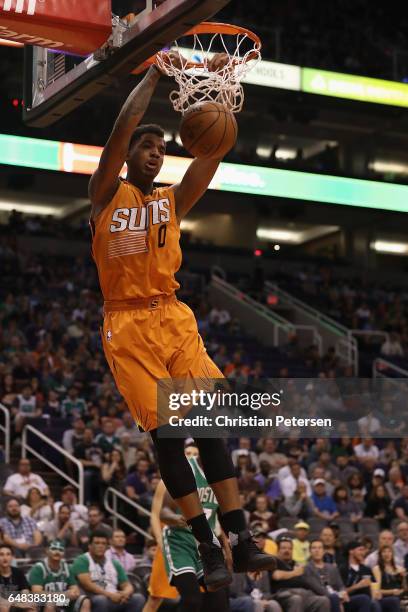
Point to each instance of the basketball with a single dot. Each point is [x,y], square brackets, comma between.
[208,130]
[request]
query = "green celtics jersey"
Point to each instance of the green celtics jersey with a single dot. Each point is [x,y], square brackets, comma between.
[205,493]
[179,546]
[53,581]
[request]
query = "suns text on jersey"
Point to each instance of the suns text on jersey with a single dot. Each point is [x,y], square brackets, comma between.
[140,217]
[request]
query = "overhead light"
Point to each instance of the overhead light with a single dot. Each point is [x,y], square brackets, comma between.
[29,209]
[388,166]
[276,247]
[274,234]
[285,153]
[383,246]
[34,208]
[263,151]
[168,136]
[187,225]
[299,236]
[178,140]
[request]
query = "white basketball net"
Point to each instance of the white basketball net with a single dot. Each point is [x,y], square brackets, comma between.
[199,84]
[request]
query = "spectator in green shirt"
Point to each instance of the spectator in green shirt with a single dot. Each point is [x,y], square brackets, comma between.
[73,406]
[104,580]
[53,575]
[25,407]
[107,440]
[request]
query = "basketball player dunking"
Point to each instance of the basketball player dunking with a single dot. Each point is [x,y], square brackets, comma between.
[148,335]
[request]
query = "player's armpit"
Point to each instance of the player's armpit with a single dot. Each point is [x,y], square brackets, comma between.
[194,184]
[99,194]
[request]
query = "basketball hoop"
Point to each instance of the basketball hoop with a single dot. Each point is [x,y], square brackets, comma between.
[196,82]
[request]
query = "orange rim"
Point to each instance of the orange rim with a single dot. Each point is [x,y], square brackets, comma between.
[210,27]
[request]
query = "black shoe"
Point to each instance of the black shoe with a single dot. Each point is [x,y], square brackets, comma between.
[247,557]
[216,575]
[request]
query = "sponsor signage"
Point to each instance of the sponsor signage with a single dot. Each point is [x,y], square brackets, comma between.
[264,73]
[321,82]
[354,87]
[272,74]
[239,178]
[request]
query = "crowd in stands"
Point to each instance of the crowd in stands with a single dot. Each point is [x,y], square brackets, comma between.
[337,522]
[360,304]
[37,225]
[325,507]
[356,303]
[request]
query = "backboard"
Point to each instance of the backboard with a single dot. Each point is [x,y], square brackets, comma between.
[56,83]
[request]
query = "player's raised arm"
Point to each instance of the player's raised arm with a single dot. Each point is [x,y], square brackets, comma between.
[201,171]
[194,184]
[105,180]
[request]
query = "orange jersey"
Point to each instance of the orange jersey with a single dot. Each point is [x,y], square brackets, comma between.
[136,244]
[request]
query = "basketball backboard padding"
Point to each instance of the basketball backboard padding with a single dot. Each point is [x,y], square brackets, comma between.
[150,34]
[73,26]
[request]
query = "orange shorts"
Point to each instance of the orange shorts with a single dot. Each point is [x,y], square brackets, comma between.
[147,345]
[159,582]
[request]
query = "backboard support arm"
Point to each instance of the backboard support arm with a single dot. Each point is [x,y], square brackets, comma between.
[152,31]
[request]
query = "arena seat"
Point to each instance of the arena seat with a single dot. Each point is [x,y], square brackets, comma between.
[346,526]
[369,527]
[71,552]
[316,524]
[288,522]
[5,472]
[394,524]
[37,552]
[349,537]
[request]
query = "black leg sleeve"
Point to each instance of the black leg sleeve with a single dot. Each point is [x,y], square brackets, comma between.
[216,459]
[216,601]
[189,589]
[175,470]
